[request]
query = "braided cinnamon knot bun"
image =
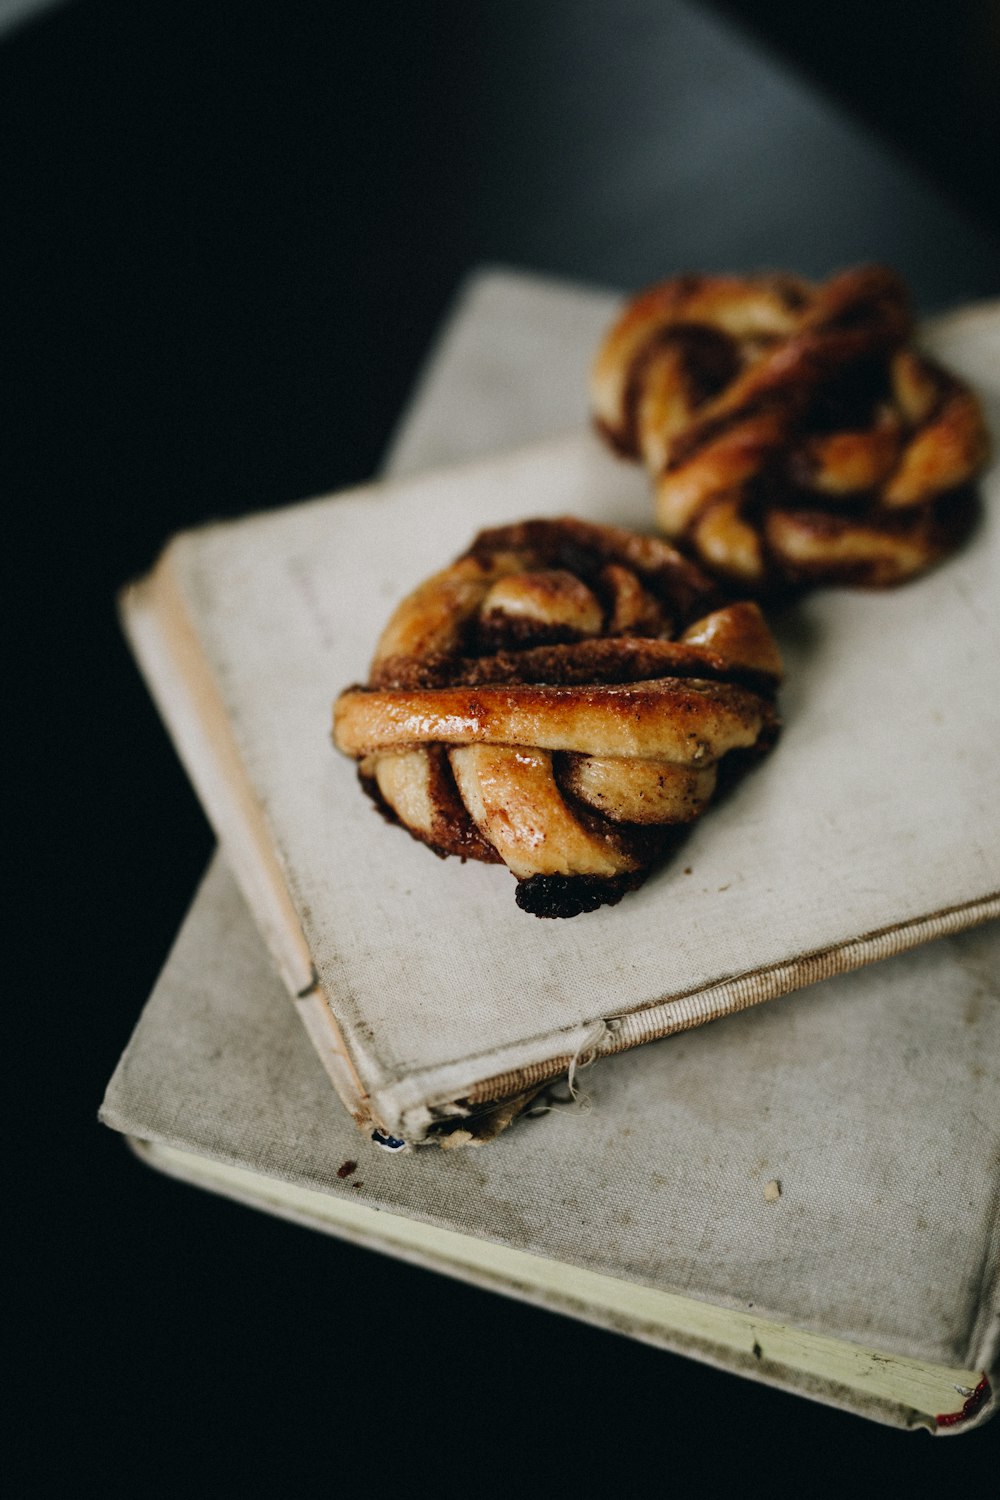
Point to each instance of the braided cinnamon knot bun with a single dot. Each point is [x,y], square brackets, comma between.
[560,700]
[792,436]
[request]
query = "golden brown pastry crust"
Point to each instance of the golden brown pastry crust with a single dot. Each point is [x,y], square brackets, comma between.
[560,699]
[793,436]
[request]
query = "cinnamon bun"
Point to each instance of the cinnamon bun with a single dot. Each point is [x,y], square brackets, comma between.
[562,699]
[793,435]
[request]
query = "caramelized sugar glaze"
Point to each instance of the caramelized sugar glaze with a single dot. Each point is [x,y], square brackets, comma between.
[562,699]
[793,436]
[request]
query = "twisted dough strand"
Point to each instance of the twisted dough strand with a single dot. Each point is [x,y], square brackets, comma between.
[560,699]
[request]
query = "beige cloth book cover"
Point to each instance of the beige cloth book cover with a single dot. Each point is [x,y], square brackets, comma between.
[871,828]
[871,1099]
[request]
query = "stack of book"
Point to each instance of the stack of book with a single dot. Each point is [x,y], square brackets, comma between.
[804,1192]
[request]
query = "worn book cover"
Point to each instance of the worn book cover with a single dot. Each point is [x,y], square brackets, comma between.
[804,1194]
[871,828]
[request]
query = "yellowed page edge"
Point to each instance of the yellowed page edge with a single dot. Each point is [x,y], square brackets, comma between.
[891,1388]
[166,646]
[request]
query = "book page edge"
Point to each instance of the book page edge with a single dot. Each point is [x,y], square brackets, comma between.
[888,1388]
[165,645]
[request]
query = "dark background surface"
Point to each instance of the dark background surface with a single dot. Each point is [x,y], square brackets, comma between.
[230,231]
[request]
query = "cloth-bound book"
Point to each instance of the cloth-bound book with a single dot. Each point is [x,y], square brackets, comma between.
[431,997]
[805,1193]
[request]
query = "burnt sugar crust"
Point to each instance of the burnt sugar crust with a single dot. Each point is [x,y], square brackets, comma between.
[793,434]
[565,698]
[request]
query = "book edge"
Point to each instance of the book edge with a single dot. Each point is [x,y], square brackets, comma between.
[166,647]
[682,1325]
[410,1103]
